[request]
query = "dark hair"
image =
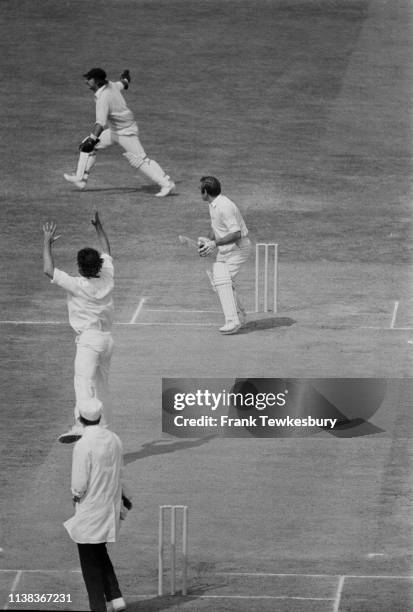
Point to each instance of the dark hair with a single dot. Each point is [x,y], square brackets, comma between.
[89,262]
[98,75]
[211,186]
[95,73]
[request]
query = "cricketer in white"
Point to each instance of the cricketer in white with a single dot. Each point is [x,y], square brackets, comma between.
[115,124]
[91,308]
[229,235]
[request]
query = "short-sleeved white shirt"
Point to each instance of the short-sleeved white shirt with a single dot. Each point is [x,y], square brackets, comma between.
[112,110]
[226,218]
[89,300]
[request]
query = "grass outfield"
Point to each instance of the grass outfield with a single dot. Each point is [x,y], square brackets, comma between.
[303,110]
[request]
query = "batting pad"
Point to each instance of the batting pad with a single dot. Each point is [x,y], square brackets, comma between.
[223,284]
[82,165]
[134,160]
[152,170]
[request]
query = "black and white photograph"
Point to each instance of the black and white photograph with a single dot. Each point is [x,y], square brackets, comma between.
[207,309]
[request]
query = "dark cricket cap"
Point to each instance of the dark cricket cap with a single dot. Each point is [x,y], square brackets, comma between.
[95,73]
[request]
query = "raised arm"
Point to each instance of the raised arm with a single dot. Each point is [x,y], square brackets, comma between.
[49,237]
[101,234]
[125,79]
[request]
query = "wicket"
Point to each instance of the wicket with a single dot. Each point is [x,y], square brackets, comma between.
[263,278]
[173,512]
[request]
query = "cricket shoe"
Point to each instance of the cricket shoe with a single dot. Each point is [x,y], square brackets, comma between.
[72,178]
[242,315]
[116,605]
[230,328]
[73,435]
[169,188]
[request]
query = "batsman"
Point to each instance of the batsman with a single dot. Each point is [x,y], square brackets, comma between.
[229,237]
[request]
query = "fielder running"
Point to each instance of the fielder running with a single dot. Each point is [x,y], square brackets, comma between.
[115,124]
[229,235]
[90,305]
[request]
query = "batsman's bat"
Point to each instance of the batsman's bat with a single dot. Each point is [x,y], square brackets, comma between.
[188,241]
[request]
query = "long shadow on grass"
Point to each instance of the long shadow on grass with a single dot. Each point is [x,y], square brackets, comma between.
[147,189]
[161,447]
[113,190]
[266,323]
[168,602]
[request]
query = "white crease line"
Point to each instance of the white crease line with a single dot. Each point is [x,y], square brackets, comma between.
[393,319]
[132,322]
[378,577]
[58,323]
[160,324]
[14,586]
[261,597]
[256,574]
[271,574]
[386,328]
[338,594]
[138,310]
[33,323]
[186,310]
[194,593]
[43,571]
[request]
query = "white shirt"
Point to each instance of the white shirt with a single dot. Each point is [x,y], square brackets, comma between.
[112,111]
[96,478]
[225,219]
[89,300]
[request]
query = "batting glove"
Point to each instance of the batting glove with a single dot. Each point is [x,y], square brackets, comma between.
[88,144]
[207,248]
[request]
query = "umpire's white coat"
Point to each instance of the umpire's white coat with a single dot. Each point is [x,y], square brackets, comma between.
[96,478]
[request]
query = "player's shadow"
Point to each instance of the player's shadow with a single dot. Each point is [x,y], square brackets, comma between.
[269,322]
[147,189]
[113,190]
[162,447]
[168,602]
[153,189]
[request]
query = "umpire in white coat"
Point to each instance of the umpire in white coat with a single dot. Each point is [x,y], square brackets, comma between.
[97,494]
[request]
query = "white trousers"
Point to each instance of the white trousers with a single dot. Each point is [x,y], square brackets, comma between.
[94,350]
[135,153]
[236,257]
[130,143]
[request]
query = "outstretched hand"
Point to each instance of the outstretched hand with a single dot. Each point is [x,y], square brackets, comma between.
[101,234]
[125,76]
[96,221]
[49,232]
